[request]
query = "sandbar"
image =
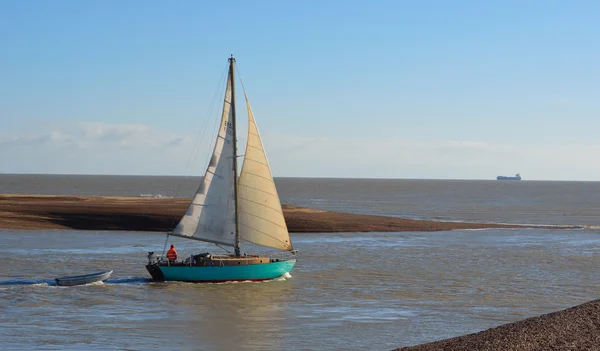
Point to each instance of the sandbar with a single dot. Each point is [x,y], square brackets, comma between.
[19,211]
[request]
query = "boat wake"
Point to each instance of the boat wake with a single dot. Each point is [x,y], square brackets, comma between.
[283,278]
[129,281]
[16,283]
[27,282]
[12,284]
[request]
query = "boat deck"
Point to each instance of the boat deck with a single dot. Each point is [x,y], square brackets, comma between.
[220,260]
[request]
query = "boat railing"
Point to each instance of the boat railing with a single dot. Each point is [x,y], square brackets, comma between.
[220,260]
[284,255]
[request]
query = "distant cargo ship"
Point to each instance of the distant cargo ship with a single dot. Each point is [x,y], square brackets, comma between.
[516,177]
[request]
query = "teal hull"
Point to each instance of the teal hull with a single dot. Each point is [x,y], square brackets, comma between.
[215,274]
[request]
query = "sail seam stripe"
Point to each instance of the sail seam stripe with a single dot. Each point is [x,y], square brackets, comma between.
[259,162]
[256,147]
[262,205]
[266,220]
[257,189]
[259,176]
[260,231]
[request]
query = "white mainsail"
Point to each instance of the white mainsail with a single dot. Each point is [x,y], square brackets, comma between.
[211,215]
[261,218]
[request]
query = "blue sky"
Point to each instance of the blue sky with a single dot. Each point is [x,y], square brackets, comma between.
[382,89]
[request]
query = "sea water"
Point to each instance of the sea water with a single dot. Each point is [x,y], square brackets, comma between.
[348,291]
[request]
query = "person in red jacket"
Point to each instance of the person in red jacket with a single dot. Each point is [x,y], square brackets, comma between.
[172,254]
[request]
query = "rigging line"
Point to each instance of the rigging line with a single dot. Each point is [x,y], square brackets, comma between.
[253,248]
[222,248]
[199,139]
[217,120]
[248,105]
[200,134]
[240,78]
[243,88]
[165,247]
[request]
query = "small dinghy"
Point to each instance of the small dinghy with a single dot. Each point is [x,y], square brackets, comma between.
[83,279]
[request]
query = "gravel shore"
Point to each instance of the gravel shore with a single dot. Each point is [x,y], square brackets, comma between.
[576,328]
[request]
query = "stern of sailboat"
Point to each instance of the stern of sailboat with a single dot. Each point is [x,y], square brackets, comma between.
[155,272]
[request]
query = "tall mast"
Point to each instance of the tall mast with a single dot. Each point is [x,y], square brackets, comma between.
[235,180]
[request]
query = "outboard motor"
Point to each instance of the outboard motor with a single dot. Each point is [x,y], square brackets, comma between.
[152,258]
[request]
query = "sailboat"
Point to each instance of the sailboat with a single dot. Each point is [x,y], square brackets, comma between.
[228,210]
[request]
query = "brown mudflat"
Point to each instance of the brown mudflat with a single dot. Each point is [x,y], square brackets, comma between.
[576,328]
[150,214]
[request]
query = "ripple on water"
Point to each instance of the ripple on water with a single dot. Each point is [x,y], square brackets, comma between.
[349,291]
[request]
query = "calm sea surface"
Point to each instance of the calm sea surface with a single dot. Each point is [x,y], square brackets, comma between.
[348,291]
[545,202]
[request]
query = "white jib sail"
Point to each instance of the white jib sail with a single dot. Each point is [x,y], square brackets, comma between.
[261,218]
[211,215]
